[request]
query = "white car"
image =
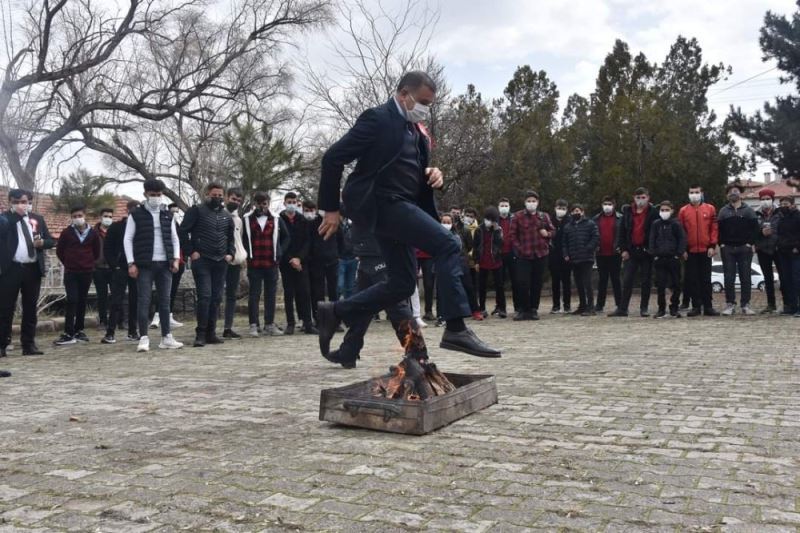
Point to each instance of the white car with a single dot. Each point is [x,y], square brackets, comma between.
[756,277]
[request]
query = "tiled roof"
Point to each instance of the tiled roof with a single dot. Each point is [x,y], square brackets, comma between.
[56,220]
[780,187]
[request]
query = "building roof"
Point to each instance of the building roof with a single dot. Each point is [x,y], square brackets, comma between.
[751,189]
[58,220]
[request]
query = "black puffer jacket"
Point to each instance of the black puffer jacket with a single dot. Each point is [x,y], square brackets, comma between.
[667,238]
[581,238]
[557,243]
[208,232]
[789,231]
[324,252]
[300,233]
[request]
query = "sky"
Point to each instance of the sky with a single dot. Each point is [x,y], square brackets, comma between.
[483,42]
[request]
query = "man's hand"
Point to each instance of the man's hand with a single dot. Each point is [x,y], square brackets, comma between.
[711,252]
[294,262]
[38,242]
[685,256]
[566,259]
[133,271]
[329,226]
[435,177]
[175,265]
[625,256]
[195,256]
[229,259]
[544,233]
[766,230]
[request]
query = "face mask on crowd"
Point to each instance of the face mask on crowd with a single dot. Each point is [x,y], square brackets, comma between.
[214,202]
[785,209]
[560,212]
[154,201]
[577,216]
[695,197]
[78,222]
[608,209]
[504,210]
[640,202]
[455,216]
[665,215]
[734,197]
[488,223]
[420,112]
[106,221]
[767,203]
[310,215]
[29,209]
[232,206]
[448,227]
[469,220]
[291,208]
[531,206]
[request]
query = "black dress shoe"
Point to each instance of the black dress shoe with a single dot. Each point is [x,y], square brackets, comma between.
[694,312]
[327,322]
[289,329]
[339,358]
[467,342]
[5,374]
[213,339]
[711,312]
[31,349]
[199,342]
[230,334]
[617,312]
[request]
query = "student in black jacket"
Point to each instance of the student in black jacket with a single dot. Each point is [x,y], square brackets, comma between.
[323,259]
[294,266]
[581,238]
[560,269]
[667,245]
[788,246]
[738,231]
[114,252]
[633,236]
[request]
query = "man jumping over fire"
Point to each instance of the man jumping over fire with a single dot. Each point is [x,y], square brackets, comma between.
[390,191]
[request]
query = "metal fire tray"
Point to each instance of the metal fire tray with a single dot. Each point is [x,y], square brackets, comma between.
[354,405]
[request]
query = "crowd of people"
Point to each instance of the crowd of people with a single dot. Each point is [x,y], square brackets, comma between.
[145,253]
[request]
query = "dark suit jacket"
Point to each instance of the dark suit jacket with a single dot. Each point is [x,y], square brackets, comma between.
[375,141]
[9,240]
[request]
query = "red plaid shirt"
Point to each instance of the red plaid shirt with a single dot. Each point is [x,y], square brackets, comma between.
[262,247]
[526,239]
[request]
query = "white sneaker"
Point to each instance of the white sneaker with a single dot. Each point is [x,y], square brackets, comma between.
[747,310]
[254,330]
[729,309]
[174,323]
[421,323]
[168,342]
[273,330]
[144,344]
[156,322]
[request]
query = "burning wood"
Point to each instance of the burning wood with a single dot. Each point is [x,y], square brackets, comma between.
[412,380]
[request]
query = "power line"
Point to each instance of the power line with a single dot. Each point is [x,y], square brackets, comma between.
[729,87]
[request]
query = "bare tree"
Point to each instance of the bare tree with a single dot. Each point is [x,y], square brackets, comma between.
[88,76]
[371,47]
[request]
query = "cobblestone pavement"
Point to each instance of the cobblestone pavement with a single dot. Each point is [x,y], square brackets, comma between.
[602,424]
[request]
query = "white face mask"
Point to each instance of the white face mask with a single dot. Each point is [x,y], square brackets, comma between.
[106,221]
[560,213]
[291,208]
[695,197]
[531,206]
[665,215]
[640,202]
[78,222]
[30,208]
[504,210]
[447,226]
[420,112]
[468,220]
[767,204]
[608,209]
[310,215]
[154,201]
[487,223]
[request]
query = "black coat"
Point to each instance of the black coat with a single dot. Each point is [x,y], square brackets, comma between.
[375,142]
[625,227]
[324,252]
[497,242]
[299,237]
[113,245]
[581,239]
[789,231]
[667,238]
[9,240]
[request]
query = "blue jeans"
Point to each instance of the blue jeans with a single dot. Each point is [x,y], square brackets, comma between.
[737,259]
[158,272]
[209,280]
[268,278]
[347,276]
[401,227]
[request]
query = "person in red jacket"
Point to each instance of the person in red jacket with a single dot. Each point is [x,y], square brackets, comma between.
[78,248]
[699,221]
